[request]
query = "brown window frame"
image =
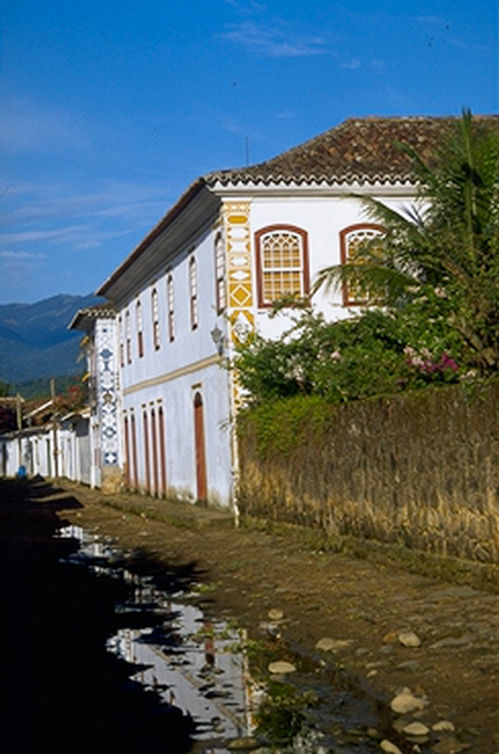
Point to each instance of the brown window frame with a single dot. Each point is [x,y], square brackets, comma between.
[156,339]
[220,273]
[193,292]
[170,299]
[140,327]
[305,273]
[122,347]
[344,233]
[128,333]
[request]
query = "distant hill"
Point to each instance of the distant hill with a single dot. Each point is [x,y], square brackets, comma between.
[35,341]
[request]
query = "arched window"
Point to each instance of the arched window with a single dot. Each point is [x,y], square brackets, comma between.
[140,334]
[281,263]
[193,291]
[170,294]
[351,239]
[220,292]
[155,319]
[122,347]
[128,330]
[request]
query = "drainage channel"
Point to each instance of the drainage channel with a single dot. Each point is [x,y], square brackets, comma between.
[198,666]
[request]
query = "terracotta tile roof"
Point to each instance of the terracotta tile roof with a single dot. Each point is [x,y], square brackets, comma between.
[83,317]
[359,149]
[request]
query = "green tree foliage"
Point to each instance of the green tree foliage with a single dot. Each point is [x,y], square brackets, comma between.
[432,281]
[377,352]
[444,250]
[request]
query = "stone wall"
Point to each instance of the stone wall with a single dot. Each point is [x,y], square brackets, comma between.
[419,469]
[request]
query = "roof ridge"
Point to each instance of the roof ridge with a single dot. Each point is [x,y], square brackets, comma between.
[362,146]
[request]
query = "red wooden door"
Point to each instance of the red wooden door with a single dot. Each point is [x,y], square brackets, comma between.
[127,455]
[200,453]
[162,450]
[133,474]
[146,452]
[154,452]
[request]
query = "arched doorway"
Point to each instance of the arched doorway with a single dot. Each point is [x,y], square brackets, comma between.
[199,446]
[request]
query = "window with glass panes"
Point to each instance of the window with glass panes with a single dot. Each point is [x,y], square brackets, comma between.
[128,329]
[282,263]
[193,290]
[221,300]
[351,241]
[155,319]
[140,334]
[170,294]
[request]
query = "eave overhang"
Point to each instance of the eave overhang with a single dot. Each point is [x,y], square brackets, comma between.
[84,319]
[179,228]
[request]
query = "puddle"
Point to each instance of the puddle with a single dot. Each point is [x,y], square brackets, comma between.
[192,662]
[197,665]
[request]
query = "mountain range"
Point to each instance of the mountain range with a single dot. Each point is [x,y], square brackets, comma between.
[35,340]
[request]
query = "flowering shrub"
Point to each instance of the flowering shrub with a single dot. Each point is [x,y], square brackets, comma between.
[360,357]
[427,365]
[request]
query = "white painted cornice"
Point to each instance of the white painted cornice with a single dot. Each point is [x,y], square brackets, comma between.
[177,231]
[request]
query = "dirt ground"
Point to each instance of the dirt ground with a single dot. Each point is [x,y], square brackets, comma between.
[366,606]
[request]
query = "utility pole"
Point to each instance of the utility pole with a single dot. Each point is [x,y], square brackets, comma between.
[54,430]
[19,418]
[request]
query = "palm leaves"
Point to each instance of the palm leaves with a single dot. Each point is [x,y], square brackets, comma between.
[447,241]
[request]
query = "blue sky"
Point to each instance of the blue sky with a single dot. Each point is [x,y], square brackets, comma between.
[110,109]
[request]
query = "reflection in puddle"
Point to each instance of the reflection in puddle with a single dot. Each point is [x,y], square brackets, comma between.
[195,664]
[191,662]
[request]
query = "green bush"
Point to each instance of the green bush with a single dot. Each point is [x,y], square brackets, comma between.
[372,354]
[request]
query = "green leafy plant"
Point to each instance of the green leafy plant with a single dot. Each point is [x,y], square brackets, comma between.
[443,252]
[280,717]
[375,353]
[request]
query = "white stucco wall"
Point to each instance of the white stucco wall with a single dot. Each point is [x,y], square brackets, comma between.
[322,217]
[170,375]
[176,397]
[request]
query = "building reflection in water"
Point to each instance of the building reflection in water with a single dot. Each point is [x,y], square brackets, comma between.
[194,663]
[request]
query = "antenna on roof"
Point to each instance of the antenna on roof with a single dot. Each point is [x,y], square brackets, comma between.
[246,149]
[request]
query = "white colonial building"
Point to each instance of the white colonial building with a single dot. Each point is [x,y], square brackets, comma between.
[233,243]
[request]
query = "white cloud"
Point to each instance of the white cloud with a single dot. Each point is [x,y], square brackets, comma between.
[274,41]
[35,205]
[22,256]
[26,126]
[50,218]
[84,236]
[350,65]
[246,8]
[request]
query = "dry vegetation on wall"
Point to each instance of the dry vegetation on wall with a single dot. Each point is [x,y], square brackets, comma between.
[419,469]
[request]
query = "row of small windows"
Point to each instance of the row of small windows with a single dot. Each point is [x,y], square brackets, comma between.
[282,270]
[126,343]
